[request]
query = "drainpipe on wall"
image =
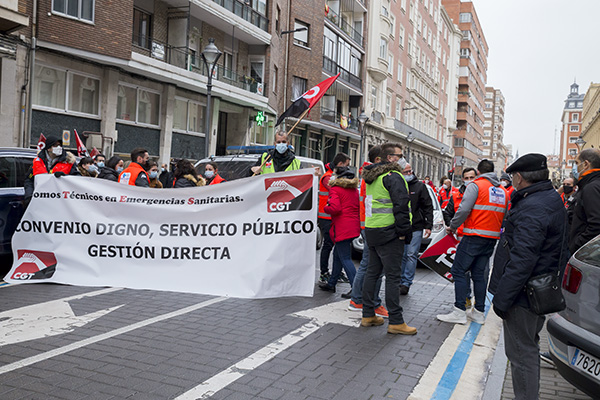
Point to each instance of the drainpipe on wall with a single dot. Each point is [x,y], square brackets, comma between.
[27,137]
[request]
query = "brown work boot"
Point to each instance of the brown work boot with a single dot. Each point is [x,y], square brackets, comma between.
[372,321]
[401,329]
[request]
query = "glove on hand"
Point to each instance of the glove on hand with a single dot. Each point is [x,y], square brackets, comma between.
[58,174]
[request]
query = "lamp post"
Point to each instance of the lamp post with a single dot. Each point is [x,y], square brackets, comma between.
[210,56]
[580,143]
[409,138]
[362,120]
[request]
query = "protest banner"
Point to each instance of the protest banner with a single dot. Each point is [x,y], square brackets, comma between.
[249,238]
[440,254]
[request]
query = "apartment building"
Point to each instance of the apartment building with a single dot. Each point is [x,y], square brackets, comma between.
[571,128]
[130,73]
[493,129]
[411,81]
[468,138]
[590,116]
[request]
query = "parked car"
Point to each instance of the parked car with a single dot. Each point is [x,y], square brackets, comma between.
[438,225]
[14,165]
[574,334]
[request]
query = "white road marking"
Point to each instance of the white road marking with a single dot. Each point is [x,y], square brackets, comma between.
[50,318]
[336,313]
[94,339]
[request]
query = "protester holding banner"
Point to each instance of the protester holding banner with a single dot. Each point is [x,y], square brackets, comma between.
[343,207]
[388,228]
[481,210]
[114,166]
[135,174]
[422,222]
[211,174]
[153,175]
[186,176]
[282,158]
[533,243]
[51,159]
[86,167]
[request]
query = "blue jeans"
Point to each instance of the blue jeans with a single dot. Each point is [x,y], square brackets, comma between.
[472,254]
[357,285]
[342,258]
[409,259]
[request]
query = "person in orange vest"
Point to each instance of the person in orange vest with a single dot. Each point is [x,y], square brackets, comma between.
[51,159]
[446,193]
[482,211]
[135,174]
[211,174]
[324,219]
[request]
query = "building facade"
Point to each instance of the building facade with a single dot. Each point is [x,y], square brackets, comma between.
[571,129]
[590,120]
[493,130]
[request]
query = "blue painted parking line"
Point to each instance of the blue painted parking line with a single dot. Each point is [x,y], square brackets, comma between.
[455,367]
[4,284]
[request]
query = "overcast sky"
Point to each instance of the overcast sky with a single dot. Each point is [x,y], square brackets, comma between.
[536,49]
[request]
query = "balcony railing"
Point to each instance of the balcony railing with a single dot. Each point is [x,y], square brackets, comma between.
[332,68]
[334,117]
[345,26]
[246,12]
[184,58]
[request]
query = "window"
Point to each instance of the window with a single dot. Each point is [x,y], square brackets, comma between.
[188,116]
[301,37]
[400,72]
[403,5]
[390,64]
[464,17]
[384,11]
[138,105]
[374,97]
[572,152]
[580,104]
[79,9]
[574,128]
[277,18]
[227,65]
[388,105]
[66,91]
[298,87]
[401,36]
[573,139]
[383,48]
[142,28]
[274,84]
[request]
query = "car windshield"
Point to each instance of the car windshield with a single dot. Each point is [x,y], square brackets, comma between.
[230,170]
[590,253]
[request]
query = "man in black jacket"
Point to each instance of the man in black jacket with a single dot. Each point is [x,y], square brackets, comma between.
[422,222]
[533,242]
[586,209]
[387,228]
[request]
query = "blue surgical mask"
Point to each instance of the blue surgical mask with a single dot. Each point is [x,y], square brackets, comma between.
[575,172]
[100,164]
[209,174]
[153,174]
[281,147]
[119,169]
[92,168]
[409,178]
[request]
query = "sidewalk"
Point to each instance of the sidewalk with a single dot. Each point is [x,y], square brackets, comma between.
[552,385]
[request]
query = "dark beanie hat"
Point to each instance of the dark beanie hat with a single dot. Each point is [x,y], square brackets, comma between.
[51,141]
[506,177]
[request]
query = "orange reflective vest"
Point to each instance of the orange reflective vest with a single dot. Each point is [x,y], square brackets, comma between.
[39,167]
[486,217]
[131,173]
[324,195]
[444,197]
[217,179]
[456,199]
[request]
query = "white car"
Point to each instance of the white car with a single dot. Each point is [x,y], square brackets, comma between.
[438,226]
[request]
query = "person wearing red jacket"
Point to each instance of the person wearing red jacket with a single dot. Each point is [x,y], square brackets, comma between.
[445,193]
[211,174]
[343,207]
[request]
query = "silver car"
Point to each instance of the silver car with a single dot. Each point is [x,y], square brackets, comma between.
[574,334]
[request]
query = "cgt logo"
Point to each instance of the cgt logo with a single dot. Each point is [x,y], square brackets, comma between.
[33,264]
[289,193]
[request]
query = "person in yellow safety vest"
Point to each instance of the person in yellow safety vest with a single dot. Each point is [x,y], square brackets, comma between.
[481,210]
[281,158]
[324,219]
[388,228]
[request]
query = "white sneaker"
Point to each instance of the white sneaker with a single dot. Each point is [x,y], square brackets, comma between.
[457,316]
[476,316]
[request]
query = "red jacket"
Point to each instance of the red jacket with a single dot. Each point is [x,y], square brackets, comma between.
[343,206]
[216,180]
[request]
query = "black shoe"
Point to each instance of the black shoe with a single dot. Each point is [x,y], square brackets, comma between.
[404,290]
[343,278]
[325,286]
[347,295]
[545,356]
[324,277]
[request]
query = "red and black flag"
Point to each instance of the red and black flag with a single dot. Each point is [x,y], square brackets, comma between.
[307,100]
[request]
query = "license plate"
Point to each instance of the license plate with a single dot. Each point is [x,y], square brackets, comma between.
[585,362]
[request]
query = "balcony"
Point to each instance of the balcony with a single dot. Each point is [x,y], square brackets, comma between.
[10,17]
[332,68]
[245,12]
[183,58]
[345,27]
[334,117]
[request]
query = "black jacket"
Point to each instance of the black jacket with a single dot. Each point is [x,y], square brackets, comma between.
[586,211]
[396,185]
[420,205]
[109,174]
[533,242]
[189,181]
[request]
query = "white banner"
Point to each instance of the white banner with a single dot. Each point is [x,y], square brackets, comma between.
[249,238]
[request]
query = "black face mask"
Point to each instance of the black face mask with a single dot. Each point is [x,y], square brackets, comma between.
[567,189]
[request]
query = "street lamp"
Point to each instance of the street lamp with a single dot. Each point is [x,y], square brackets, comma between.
[362,120]
[210,56]
[580,143]
[409,138]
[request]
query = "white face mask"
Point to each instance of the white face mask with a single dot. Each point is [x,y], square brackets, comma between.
[503,183]
[281,147]
[57,151]
[119,169]
[409,178]
[445,186]
[209,174]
